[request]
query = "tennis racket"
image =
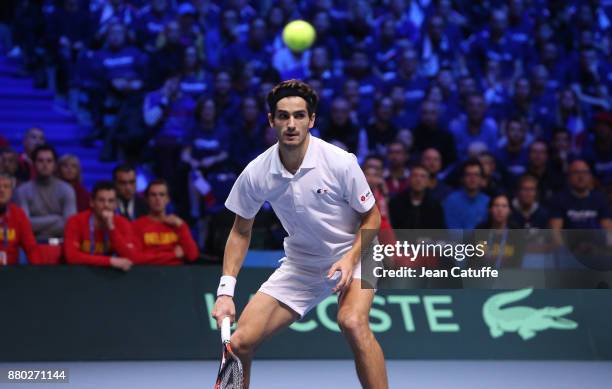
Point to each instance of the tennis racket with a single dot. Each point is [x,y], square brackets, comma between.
[230,369]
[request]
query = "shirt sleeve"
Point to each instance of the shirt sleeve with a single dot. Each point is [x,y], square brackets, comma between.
[243,199]
[357,191]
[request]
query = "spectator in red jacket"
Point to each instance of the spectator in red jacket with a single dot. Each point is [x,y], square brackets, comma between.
[111,234]
[15,228]
[162,239]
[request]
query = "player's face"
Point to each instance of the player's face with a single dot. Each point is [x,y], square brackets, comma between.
[6,191]
[291,121]
[157,198]
[105,200]
[45,164]
[126,184]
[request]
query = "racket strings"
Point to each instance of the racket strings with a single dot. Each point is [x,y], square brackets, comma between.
[231,376]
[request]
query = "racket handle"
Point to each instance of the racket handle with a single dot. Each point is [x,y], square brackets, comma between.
[225,330]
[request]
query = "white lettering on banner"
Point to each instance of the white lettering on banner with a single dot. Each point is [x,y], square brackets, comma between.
[434,307]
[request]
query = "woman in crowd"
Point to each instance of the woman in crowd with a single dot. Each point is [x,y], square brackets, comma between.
[69,170]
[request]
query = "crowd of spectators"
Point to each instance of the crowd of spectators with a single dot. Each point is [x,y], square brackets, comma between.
[447,104]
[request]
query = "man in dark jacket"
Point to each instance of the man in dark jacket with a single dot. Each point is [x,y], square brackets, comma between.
[414,208]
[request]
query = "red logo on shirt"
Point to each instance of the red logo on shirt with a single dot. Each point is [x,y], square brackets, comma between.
[365,196]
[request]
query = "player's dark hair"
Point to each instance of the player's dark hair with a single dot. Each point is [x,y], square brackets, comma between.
[44,147]
[293,88]
[123,168]
[157,181]
[102,185]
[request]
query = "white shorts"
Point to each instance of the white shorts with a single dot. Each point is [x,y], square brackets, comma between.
[301,288]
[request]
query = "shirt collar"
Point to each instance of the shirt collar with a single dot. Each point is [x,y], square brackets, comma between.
[308,162]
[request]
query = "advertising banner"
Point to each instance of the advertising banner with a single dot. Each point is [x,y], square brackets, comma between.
[149,313]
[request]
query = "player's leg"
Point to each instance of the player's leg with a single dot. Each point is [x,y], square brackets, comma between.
[353,313]
[262,317]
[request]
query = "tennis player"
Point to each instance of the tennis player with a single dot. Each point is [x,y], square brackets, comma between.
[323,201]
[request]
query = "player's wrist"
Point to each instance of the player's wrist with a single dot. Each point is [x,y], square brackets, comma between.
[227,284]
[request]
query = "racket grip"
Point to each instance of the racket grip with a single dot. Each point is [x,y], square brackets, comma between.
[225,330]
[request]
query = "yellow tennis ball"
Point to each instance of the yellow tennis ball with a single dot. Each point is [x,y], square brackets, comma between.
[299,35]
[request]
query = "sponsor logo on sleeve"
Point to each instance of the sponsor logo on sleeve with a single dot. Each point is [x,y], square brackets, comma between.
[365,196]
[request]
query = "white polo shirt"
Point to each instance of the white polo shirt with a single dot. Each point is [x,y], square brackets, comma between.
[318,206]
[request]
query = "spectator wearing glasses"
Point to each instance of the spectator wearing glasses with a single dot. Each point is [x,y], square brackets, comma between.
[580,207]
[527,212]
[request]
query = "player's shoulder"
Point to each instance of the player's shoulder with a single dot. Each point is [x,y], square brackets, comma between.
[332,154]
[262,162]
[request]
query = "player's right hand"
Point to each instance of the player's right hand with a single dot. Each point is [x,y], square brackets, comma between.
[224,307]
[121,263]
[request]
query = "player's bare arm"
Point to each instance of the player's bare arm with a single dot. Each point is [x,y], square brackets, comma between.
[235,250]
[368,229]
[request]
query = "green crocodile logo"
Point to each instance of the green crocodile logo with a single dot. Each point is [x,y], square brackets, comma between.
[526,321]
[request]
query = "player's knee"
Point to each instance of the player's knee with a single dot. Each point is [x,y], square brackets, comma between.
[241,345]
[353,324]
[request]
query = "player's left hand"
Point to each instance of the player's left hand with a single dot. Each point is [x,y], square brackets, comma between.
[345,266]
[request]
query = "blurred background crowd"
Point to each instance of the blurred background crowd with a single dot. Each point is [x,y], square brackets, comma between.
[463,114]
